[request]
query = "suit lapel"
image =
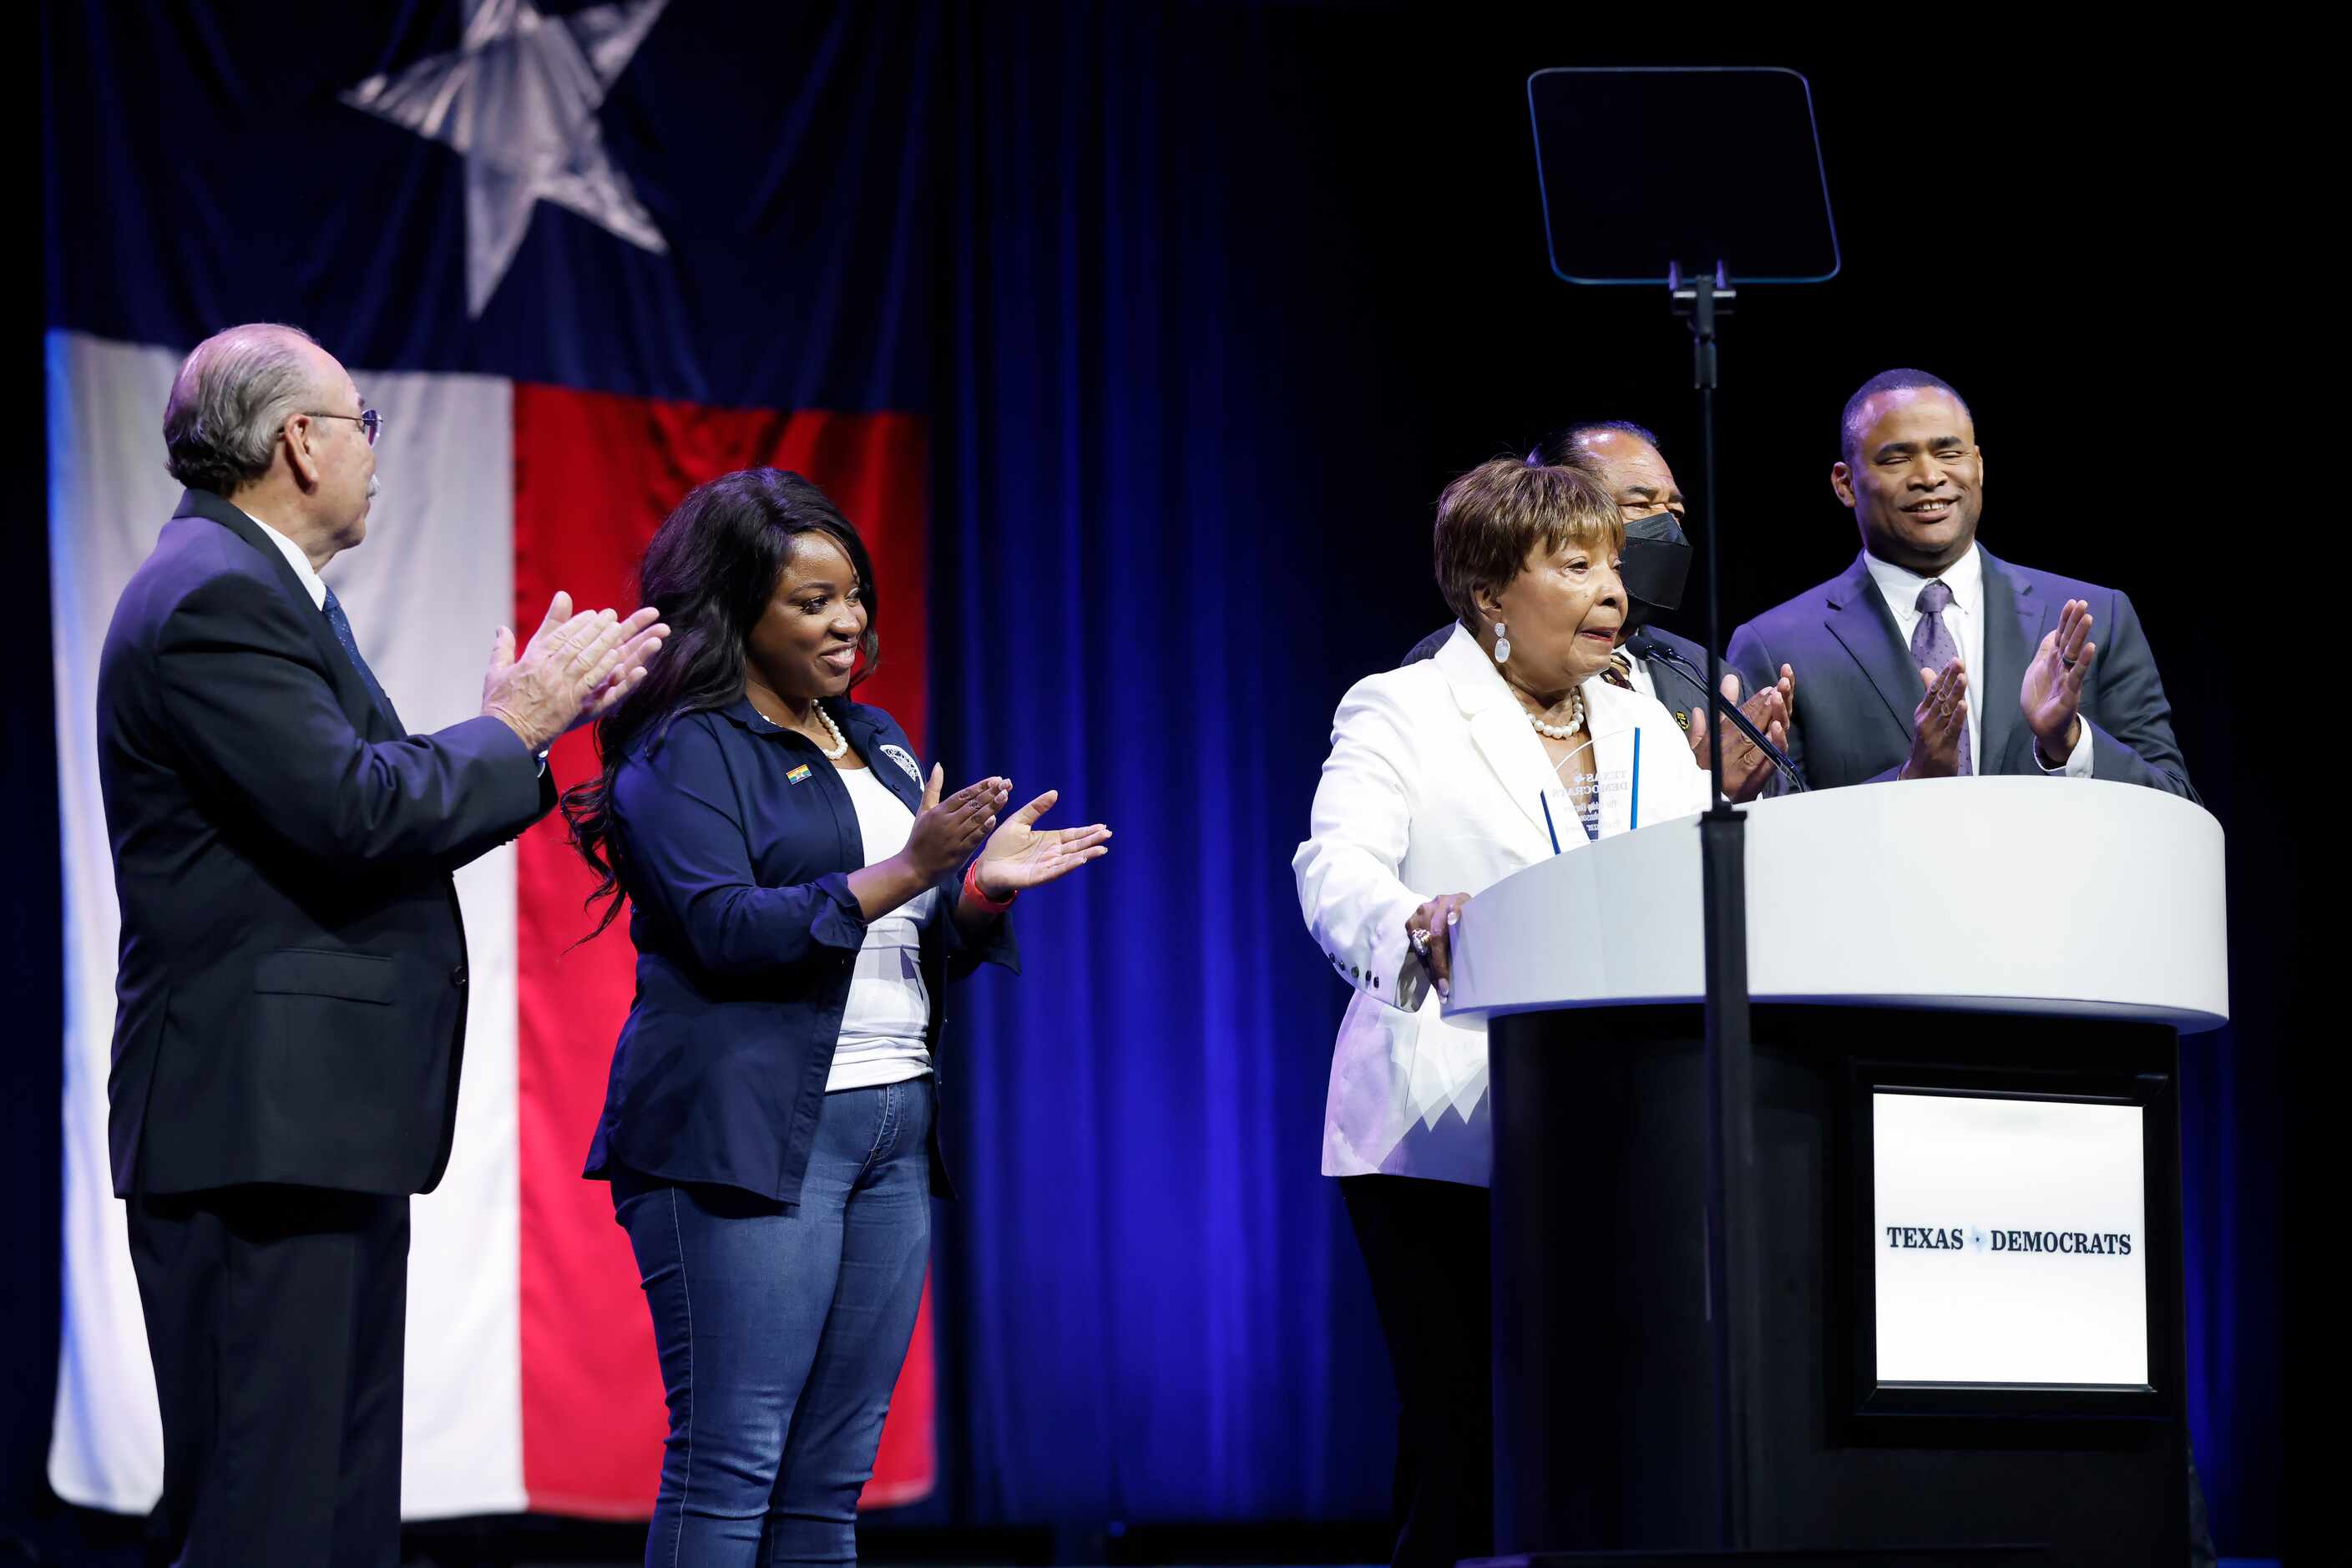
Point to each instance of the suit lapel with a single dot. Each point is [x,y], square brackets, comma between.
[866,735]
[1509,744]
[2014,617]
[1499,730]
[1859,620]
[358,702]
[1680,695]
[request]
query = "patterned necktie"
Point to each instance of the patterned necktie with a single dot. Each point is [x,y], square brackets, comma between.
[343,624]
[1932,647]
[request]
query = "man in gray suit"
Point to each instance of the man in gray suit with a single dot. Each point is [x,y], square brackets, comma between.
[1886,647]
[1624,458]
[1893,651]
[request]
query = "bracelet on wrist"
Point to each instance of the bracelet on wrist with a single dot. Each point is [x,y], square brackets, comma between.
[979,901]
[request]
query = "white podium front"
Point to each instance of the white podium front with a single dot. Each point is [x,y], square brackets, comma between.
[1957,1334]
[2049,897]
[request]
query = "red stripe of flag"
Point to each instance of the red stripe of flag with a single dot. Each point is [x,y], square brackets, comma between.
[594,475]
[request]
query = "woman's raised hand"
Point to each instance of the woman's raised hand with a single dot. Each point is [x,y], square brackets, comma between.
[946,830]
[1020,855]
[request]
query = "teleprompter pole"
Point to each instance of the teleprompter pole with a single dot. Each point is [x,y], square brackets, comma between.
[1731,1131]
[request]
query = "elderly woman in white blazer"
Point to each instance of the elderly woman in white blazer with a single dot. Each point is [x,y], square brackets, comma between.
[1515,743]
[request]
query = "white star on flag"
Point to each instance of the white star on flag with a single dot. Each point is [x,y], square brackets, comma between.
[518,101]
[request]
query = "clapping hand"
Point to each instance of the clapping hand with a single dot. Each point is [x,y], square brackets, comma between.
[1940,722]
[2052,692]
[1747,766]
[575,668]
[946,830]
[1019,855]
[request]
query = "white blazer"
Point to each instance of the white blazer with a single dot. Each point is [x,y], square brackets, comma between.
[1437,783]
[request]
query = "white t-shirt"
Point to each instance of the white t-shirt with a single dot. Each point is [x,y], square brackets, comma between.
[882,1031]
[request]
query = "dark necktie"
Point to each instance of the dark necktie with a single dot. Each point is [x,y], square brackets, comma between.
[1933,647]
[343,624]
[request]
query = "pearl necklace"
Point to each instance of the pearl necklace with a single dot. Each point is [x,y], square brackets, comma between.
[840,740]
[1556,731]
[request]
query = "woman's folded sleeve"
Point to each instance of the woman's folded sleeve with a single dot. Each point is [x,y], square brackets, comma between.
[1356,906]
[689,860]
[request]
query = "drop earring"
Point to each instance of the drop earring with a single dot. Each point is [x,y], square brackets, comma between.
[1502,645]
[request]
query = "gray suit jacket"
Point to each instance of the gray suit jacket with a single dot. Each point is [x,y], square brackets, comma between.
[1857,689]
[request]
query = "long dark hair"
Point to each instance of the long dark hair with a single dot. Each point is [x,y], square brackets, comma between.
[710,570]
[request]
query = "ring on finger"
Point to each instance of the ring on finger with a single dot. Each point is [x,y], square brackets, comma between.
[1420,939]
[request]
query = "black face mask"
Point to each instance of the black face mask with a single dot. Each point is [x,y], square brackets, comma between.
[1653,567]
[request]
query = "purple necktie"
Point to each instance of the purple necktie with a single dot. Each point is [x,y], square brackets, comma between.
[1932,647]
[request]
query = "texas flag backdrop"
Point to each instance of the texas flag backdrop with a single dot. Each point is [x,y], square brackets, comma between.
[580,258]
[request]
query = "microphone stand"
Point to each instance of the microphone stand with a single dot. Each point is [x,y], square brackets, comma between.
[1731,1132]
[1642,645]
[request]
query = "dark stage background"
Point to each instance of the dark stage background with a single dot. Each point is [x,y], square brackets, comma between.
[1223,296]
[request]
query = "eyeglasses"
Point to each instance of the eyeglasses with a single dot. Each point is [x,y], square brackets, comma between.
[370,421]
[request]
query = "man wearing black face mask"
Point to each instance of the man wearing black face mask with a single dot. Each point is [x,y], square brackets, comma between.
[1929,657]
[1625,460]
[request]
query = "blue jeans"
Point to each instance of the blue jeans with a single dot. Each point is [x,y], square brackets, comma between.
[780,1332]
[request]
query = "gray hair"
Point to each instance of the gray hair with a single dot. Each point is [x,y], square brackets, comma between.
[233,391]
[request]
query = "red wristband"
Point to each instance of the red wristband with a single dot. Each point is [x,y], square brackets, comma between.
[979,901]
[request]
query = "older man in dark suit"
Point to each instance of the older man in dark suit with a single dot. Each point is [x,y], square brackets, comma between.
[292,989]
[1928,657]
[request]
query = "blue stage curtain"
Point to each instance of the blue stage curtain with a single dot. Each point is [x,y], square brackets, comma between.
[1194,383]
[1154,1305]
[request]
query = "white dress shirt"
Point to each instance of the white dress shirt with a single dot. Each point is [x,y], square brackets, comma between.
[312,584]
[1964,617]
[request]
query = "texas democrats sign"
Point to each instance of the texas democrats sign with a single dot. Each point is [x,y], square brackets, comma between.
[2007,1235]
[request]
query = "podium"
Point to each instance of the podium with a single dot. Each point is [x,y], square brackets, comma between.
[1960,1335]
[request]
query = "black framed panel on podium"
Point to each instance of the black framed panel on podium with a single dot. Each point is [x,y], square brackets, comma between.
[2002,1266]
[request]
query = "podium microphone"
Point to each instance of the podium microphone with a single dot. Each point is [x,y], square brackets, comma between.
[1642,645]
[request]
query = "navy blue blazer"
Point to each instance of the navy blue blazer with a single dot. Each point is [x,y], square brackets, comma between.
[1679,694]
[736,841]
[290,998]
[1857,687]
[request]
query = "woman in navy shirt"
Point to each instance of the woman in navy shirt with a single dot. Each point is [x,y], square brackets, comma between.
[769,1128]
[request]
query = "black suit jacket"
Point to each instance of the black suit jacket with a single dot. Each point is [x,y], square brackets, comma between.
[1679,694]
[1857,687]
[290,997]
